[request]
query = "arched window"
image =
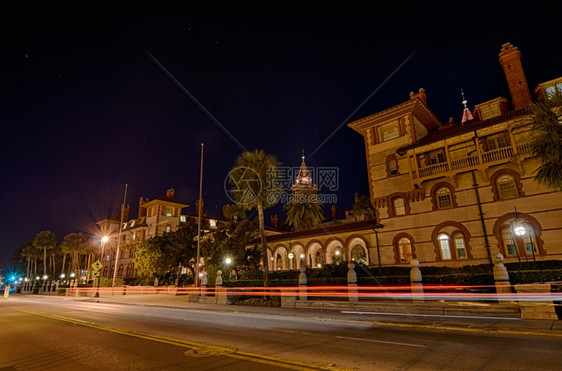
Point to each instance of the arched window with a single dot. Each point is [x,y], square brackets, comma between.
[319,258]
[358,254]
[120,271]
[444,199]
[129,273]
[279,262]
[444,245]
[507,187]
[405,250]
[520,241]
[460,245]
[339,256]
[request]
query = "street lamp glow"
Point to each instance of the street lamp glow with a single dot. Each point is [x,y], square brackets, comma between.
[291,255]
[228,261]
[520,230]
[72,274]
[45,277]
[62,275]
[104,239]
[37,278]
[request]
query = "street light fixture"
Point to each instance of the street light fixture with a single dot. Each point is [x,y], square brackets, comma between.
[104,239]
[520,228]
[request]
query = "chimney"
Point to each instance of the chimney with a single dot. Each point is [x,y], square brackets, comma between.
[510,59]
[420,94]
[142,210]
[170,193]
[274,221]
[356,197]
[334,212]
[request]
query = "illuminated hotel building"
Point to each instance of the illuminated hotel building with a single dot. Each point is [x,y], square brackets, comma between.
[447,193]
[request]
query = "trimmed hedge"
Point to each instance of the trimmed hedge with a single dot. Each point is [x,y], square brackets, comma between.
[469,275]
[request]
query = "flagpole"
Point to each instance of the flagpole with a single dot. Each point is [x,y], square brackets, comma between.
[119,236]
[199,212]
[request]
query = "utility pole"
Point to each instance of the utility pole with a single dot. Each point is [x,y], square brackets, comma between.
[199,212]
[119,237]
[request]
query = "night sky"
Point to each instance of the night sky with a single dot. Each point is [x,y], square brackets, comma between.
[86,110]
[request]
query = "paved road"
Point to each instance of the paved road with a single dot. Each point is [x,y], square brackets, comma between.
[51,333]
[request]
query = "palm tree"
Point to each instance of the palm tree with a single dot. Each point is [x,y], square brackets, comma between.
[305,214]
[73,245]
[547,143]
[45,240]
[254,185]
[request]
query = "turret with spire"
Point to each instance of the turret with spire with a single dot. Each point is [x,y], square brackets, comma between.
[466,115]
[303,183]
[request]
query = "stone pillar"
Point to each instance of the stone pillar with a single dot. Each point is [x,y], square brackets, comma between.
[302,284]
[203,283]
[352,282]
[416,280]
[221,292]
[218,280]
[536,308]
[53,286]
[501,277]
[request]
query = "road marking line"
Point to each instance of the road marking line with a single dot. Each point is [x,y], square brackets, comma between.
[359,339]
[490,330]
[218,350]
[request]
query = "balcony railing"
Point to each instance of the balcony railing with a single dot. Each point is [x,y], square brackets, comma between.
[497,154]
[434,169]
[473,160]
[524,148]
[464,162]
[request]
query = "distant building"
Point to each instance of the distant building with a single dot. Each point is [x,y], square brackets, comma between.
[155,217]
[445,193]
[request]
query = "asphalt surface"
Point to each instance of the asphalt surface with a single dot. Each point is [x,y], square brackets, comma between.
[452,323]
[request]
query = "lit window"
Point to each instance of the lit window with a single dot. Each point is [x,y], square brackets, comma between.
[404,250]
[182,218]
[168,229]
[444,200]
[551,90]
[509,243]
[392,167]
[134,235]
[358,254]
[388,132]
[319,258]
[132,223]
[398,205]
[506,187]
[460,247]
[212,223]
[496,141]
[445,248]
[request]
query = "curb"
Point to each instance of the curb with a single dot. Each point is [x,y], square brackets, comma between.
[492,330]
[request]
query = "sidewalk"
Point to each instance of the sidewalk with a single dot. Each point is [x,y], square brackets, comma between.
[426,321]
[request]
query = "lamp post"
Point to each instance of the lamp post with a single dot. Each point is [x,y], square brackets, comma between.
[103,241]
[228,261]
[520,228]
[199,212]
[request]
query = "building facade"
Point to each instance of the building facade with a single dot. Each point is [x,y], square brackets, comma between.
[155,217]
[450,193]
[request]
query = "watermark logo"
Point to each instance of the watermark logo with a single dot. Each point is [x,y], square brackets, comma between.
[243,185]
